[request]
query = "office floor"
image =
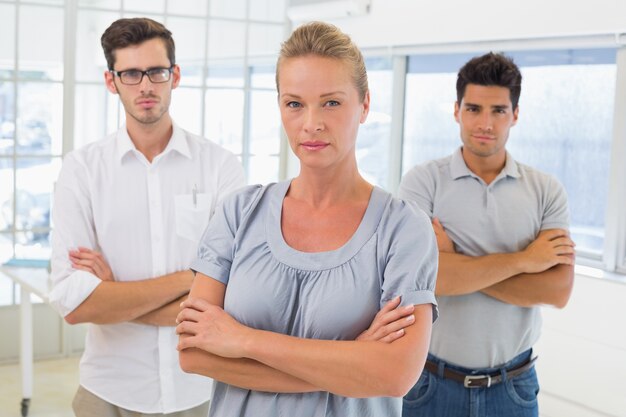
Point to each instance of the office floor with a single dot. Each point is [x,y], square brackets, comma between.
[55,382]
[54,387]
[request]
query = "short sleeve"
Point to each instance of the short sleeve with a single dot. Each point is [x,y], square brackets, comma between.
[217,245]
[555,212]
[411,261]
[418,185]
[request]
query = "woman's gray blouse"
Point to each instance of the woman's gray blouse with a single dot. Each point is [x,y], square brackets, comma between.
[331,295]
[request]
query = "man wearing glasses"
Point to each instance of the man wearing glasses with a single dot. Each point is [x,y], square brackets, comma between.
[128,214]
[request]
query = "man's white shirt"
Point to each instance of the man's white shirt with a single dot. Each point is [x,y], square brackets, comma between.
[146,218]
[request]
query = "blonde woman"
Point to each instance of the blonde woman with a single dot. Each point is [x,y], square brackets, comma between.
[290,274]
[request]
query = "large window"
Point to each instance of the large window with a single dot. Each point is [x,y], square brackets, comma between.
[31,125]
[564,127]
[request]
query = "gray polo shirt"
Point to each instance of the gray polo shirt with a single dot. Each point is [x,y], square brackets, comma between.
[331,295]
[475,330]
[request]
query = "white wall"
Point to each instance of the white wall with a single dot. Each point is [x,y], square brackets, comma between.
[420,22]
[582,353]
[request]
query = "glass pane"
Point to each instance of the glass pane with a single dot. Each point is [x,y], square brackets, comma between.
[372,146]
[93,103]
[32,245]
[263,169]
[156,17]
[116,116]
[430,131]
[223,118]
[40,118]
[48,2]
[186,109]
[6,194]
[101,4]
[35,179]
[226,73]
[187,7]
[565,124]
[268,10]
[264,76]
[90,61]
[7,40]
[147,6]
[189,35]
[264,124]
[41,57]
[226,39]
[226,58]
[265,39]
[228,8]
[7,118]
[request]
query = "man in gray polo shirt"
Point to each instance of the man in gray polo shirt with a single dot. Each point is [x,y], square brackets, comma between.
[505,250]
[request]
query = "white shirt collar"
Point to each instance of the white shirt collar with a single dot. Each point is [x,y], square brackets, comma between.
[178,143]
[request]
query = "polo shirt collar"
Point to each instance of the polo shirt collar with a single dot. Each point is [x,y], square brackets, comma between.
[459,169]
[177,143]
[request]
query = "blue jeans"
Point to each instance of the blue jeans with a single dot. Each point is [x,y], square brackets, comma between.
[435,396]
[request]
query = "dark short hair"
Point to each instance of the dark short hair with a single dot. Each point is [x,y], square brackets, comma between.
[126,32]
[491,69]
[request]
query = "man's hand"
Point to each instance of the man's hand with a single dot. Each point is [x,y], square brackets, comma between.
[444,243]
[91,261]
[389,323]
[552,247]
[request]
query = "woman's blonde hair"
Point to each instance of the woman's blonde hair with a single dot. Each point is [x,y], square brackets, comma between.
[325,40]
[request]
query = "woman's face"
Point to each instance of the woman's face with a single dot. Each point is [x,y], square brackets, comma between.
[320,110]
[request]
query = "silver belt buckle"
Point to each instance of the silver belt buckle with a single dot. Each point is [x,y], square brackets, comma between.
[467,383]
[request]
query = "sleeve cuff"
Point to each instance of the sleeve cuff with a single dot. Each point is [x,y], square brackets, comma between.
[69,293]
[211,270]
[417,297]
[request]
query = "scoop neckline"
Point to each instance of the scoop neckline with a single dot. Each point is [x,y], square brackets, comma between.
[326,259]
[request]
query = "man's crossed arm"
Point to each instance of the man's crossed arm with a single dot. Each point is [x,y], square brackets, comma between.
[541,274]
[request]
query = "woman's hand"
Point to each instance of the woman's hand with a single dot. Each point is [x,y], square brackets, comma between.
[389,323]
[208,327]
[91,261]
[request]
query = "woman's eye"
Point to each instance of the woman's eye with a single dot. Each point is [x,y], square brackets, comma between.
[332,103]
[293,104]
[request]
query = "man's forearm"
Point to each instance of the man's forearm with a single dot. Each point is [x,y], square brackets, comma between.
[163,316]
[115,302]
[461,274]
[552,287]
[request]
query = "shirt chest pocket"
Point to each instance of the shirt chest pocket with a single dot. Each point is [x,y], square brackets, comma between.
[192,215]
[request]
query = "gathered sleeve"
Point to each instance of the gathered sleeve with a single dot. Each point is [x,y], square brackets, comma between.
[411,257]
[217,246]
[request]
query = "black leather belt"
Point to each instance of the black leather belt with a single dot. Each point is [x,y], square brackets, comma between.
[479,381]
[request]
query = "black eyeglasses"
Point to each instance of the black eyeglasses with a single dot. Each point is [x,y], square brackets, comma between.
[134,76]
